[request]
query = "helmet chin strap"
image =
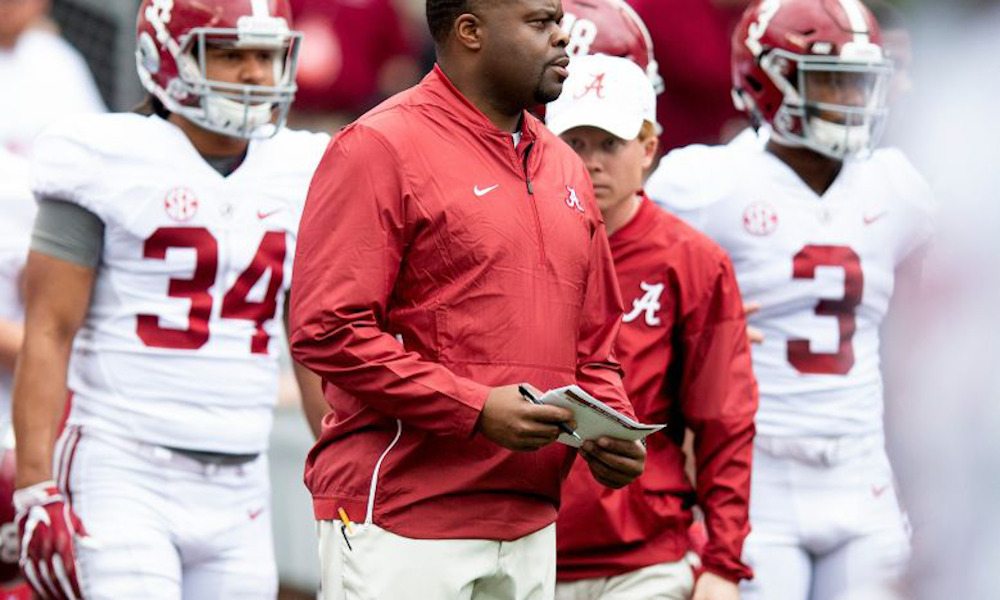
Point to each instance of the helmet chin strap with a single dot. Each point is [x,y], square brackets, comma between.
[836,140]
[226,115]
[782,139]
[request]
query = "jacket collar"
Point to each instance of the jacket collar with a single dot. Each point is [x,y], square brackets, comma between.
[438,84]
[642,223]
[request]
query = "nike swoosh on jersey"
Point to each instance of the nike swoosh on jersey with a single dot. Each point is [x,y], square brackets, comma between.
[480,193]
[263,215]
[871,219]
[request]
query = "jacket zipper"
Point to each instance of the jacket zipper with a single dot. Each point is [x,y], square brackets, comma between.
[534,207]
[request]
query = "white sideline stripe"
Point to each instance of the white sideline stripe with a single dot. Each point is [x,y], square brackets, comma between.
[72,438]
[374,485]
[260,8]
[64,441]
[856,15]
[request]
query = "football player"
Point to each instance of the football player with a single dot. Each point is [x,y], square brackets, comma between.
[687,362]
[821,228]
[163,245]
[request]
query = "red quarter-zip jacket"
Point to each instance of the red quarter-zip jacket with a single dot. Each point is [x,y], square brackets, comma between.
[684,347]
[435,261]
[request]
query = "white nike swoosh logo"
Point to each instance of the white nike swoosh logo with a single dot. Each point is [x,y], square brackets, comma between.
[480,193]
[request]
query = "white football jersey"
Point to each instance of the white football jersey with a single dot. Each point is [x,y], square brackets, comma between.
[822,269]
[180,345]
[18,210]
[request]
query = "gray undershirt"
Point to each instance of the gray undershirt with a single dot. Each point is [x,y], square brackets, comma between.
[68,232]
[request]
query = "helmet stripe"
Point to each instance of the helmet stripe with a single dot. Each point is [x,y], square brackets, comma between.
[260,8]
[856,15]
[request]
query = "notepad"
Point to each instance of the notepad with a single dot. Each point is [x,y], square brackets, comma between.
[594,418]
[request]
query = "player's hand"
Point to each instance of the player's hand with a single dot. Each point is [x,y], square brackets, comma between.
[614,463]
[514,423]
[713,587]
[49,532]
[756,336]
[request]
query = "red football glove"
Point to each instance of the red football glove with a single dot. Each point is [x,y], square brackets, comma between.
[49,531]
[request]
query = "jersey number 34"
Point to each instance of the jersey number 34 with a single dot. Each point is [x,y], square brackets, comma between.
[270,256]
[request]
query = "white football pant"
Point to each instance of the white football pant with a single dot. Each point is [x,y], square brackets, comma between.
[826,524]
[370,563]
[666,581]
[165,526]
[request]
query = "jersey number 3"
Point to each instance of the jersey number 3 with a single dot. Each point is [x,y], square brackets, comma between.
[804,267]
[270,256]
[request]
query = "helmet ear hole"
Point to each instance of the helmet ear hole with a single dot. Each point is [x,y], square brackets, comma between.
[738,100]
[149,54]
[754,83]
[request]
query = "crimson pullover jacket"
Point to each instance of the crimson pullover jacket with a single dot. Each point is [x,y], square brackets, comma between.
[684,348]
[435,261]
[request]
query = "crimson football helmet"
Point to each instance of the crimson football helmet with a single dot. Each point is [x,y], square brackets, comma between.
[172,36]
[610,27]
[815,71]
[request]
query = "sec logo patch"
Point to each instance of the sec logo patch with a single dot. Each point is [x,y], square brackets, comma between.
[760,219]
[181,204]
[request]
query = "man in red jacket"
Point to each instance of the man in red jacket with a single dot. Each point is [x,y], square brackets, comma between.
[684,347]
[450,249]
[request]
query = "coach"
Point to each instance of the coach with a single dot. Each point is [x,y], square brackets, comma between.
[450,249]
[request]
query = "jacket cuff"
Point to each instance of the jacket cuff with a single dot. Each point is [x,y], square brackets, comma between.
[473,399]
[734,573]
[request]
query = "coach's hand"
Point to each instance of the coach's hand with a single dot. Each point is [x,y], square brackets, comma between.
[713,587]
[614,463]
[49,531]
[513,422]
[756,336]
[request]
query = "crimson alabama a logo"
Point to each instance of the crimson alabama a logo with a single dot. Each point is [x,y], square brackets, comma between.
[596,85]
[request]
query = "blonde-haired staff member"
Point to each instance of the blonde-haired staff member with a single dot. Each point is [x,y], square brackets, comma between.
[684,348]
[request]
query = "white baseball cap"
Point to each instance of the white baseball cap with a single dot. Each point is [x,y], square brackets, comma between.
[607,92]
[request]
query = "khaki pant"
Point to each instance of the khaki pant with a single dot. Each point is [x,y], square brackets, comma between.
[667,581]
[371,563]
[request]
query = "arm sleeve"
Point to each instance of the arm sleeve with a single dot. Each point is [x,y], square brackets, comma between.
[350,249]
[598,371]
[68,232]
[719,401]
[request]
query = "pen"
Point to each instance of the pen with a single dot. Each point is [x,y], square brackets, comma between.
[345,519]
[531,398]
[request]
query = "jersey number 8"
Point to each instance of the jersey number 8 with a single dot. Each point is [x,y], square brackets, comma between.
[581,32]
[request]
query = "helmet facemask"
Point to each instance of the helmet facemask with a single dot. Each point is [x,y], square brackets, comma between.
[832,105]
